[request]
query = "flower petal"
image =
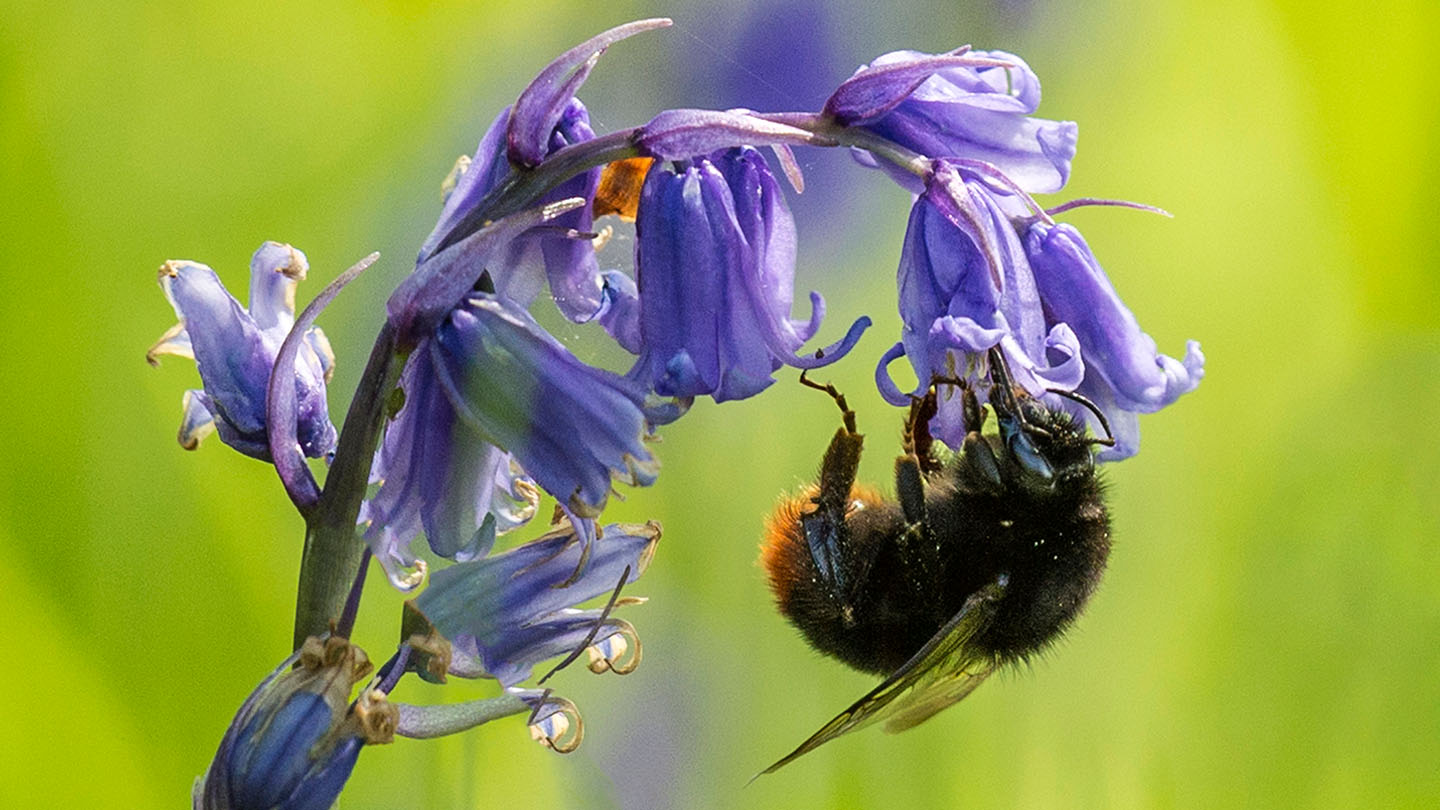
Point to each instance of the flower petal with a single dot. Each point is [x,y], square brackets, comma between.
[439,477]
[975,113]
[233,357]
[571,427]
[715,253]
[275,270]
[437,286]
[879,87]
[197,421]
[506,610]
[1077,292]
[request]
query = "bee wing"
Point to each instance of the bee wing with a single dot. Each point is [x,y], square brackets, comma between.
[943,672]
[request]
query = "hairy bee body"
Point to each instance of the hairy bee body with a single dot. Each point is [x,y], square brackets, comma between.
[1052,545]
[981,560]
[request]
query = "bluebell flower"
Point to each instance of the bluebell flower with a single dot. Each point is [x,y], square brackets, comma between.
[545,119]
[965,286]
[438,476]
[974,105]
[1124,372]
[715,263]
[983,266]
[493,407]
[553,252]
[234,349]
[508,612]
[295,740]
[572,427]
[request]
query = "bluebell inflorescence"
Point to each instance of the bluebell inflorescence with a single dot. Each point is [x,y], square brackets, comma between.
[470,414]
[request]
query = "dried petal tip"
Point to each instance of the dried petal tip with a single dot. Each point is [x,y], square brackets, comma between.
[555,723]
[619,652]
[540,106]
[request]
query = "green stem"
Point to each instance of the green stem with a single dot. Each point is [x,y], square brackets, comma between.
[333,552]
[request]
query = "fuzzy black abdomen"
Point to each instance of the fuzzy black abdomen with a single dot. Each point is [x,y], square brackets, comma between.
[1051,548]
[1054,552]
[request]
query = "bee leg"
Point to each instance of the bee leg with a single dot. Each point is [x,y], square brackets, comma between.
[976,457]
[912,468]
[917,545]
[826,534]
[917,441]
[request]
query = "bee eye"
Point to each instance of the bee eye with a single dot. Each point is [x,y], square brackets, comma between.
[1029,457]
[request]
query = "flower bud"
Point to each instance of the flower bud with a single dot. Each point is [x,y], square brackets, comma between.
[295,740]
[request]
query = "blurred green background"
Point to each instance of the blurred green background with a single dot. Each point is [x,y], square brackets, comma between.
[1269,631]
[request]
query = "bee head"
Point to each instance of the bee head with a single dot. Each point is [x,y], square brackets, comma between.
[1043,446]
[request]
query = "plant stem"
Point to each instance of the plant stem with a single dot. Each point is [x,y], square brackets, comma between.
[333,552]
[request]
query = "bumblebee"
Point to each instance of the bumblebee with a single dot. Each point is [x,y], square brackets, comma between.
[984,559]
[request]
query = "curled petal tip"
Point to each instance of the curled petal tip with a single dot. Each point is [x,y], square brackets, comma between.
[555,723]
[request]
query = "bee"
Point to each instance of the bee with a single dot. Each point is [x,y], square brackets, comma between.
[984,559]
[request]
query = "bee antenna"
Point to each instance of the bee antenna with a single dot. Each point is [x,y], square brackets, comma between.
[1000,379]
[1109,440]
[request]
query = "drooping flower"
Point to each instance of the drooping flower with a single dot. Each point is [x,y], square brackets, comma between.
[507,612]
[438,476]
[572,427]
[715,263]
[295,740]
[1124,372]
[973,105]
[545,119]
[234,349]
[492,403]
[983,266]
[551,252]
[966,285]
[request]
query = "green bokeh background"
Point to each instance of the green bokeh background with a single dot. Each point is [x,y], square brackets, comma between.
[1269,631]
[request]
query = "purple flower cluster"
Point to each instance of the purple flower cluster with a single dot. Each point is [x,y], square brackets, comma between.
[490,413]
[983,264]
